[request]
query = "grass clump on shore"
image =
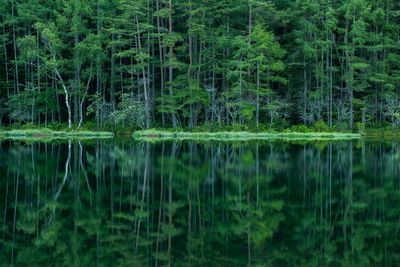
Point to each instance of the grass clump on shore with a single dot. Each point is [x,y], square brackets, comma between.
[47,133]
[387,132]
[232,136]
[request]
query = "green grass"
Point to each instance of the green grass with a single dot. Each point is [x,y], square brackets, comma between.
[154,135]
[47,133]
[382,133]
[239,136]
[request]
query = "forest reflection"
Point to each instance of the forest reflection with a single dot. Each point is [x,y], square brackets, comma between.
[189,204]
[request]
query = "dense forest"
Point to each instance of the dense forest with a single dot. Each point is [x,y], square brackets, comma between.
[184,63]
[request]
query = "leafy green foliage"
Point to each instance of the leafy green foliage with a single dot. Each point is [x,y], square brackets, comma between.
[130,111]
[250,63]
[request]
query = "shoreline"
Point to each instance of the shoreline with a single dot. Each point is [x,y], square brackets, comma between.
[47,133]
[240,136]
[169,134]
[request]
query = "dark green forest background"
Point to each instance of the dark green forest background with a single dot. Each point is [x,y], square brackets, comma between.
[184,63]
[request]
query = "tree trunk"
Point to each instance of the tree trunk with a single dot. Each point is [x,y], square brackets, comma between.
[77,79]
[83,99]
[190,65]
[67,101]
[15,50]
[331,86]
[98,67]
[5,58]
[161,65]
[349,83]
[305,94]
[112,97]
[250,30]
[146,96]
[171,51]
[59,77]
[258,96]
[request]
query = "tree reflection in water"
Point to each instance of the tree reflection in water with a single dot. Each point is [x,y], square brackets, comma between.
[191,204]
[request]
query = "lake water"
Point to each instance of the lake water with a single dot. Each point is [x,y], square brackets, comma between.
[128,203]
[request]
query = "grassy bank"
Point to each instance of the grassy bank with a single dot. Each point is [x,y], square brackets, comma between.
[294,133]
[47,133]
[382,133]
[239,136]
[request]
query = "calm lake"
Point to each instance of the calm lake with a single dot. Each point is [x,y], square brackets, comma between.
[129,203]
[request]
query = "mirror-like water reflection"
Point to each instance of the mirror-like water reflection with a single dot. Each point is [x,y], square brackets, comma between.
[190,204]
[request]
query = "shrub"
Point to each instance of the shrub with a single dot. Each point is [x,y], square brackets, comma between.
[89,125]
[343,126]
[237,128]
[282,125]
[261,127]
[57,126]
[207,127]
[298,129]
[321,126]
[359,127]
[29,125]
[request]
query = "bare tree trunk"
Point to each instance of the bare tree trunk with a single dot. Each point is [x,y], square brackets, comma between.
[171,51]
[98,67]
[161,64]
[15,50]
[258,96]
[149,78]
[331,86]
[241,95]
[38,79]
[190,64]
[213,104]
[349,84]
[77,79]
[5,58]
[250,29]
[66,98]
[112,97]
[59,77]
[305,94]
[83,98]
[146,96]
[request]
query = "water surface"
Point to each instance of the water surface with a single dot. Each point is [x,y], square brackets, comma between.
[131,203]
